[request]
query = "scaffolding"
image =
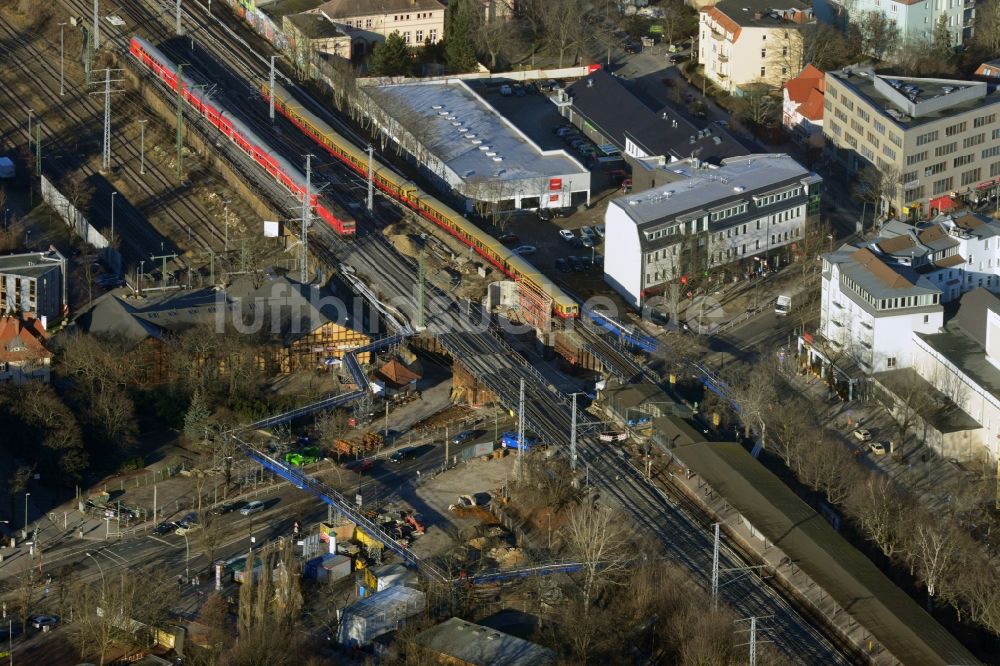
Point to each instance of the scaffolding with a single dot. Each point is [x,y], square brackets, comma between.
[535,305]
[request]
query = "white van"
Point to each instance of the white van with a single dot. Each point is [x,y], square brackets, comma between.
[506,90]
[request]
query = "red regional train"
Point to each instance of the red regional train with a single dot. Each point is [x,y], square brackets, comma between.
[290,177]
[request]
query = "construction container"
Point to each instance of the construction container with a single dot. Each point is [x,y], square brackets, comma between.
[382,612]
[477,451]
[363,538]
[387,575]
[328,568]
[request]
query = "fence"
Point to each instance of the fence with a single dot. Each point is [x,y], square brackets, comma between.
[79,224]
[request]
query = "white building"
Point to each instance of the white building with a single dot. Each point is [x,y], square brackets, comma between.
[802,106]
[743,211]
[915,19]
[471,150]
[870,309]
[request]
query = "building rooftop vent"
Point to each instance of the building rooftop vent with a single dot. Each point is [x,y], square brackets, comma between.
[485,147]
[437,107]
[497,158]
[442,113]
[739,188]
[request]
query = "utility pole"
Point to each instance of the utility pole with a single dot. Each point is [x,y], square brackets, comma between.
[371,182]
[446,442]
[177,25]
[225,220]
[38,149]
[520,432]
[106,155]
[752,642]
[163,270]
[180,118]
[572,439]
[421,276]
[30,111]
[271,90]
[62,61]
[715,568]
[112,239]
[97,25]
[306,214]
[88,53]
[142,146]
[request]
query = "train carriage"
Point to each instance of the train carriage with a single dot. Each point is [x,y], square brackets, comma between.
[241,135]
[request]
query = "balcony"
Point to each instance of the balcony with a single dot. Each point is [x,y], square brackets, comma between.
[718,36]
[723,57]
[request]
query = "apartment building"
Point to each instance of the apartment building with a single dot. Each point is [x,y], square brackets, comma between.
[312,34]
[802,106]
[33,282]
[369,22]
[23,354]
[937,139]
[914,19]
[752,42]
[749,211]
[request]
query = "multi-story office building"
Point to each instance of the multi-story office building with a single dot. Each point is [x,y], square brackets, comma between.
[748,209]
[934,140]
[752,43]
[34,282]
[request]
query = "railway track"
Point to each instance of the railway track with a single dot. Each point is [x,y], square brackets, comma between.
[137,235]
[482,351]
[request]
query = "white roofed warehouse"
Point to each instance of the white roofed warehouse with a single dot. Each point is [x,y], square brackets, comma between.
[473,152]
[751,211]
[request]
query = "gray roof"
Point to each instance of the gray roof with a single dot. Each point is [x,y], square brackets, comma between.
[613,109]
[878,278]
[857,585]
[395,599]
[315,26]
[964,351]
[435,112]
[698,189]
[279,8]
[744,12]
[933,406]
[887,96]
[477,645]
[971,315]
[30,264]
[288,310]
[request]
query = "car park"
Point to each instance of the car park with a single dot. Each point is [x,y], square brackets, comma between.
[566,234]
[562,265]
[862,435]
[251,508]
[525,250]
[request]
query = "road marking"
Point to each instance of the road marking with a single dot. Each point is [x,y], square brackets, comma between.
[166,543]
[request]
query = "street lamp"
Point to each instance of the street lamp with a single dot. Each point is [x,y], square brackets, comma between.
[187,558]
[62,69]
[101,569]
[142,146]
[26,496]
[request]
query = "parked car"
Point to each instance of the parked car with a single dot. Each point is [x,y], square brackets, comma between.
[553,85]
[251,508]
[679,57]
[544,215]
[404,453]
[588,241]
[508,238]
[562,265]
[862,435]
[587,231]
[165,528]
[506,90]
[722,123]
[109,281]
[563,130]
[579,264]
[519,90]
[463,437]
[599,230]
[227,507]
[184,528]
[44,621]
[525,250]
[566,234]
[879,448]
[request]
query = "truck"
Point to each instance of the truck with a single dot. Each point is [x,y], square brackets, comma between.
[783,305]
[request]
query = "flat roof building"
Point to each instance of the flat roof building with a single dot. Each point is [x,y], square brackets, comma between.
[474,152]
[33,282]
[935,138]
[750,207]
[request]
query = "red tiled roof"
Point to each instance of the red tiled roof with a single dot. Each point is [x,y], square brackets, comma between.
[896,244]
[727,24]
[883,273]
[397,373]
[968,221]
[807,90]
[25,336]
[948,262]
[989,69]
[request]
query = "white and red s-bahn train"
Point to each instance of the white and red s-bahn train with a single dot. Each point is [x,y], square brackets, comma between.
[290,177]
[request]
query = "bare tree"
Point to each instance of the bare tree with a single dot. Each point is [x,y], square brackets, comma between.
[882,512]
[599,537]
[565,26]
[875,33]
[933,547]
[987,33]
